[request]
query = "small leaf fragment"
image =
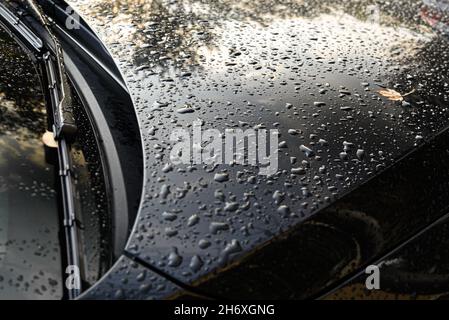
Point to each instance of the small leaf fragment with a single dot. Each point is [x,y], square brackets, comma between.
[391,94]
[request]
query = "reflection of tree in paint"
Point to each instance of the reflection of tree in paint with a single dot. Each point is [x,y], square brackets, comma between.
[436,14]
[174,30]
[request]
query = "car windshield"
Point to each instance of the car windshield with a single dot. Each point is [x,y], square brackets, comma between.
[30,257]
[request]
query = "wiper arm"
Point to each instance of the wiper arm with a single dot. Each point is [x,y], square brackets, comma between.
[64,122]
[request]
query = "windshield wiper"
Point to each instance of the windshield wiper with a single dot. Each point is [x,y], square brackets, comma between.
[60,102]
[64,130]
[65,166]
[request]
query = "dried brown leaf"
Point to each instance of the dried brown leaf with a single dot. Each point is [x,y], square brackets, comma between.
[391,94]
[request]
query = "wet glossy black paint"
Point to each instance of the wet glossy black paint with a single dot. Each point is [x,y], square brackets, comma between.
[313,67]
[350,234]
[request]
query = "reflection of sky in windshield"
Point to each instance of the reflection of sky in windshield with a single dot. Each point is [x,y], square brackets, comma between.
[29,247]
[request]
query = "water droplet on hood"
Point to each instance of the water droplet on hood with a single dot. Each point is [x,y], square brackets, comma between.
[196,263]
[174,259]
[221,177]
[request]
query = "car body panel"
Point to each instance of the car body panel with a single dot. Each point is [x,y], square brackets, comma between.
[311,68]
[128,280]
[356,231]
[416,270]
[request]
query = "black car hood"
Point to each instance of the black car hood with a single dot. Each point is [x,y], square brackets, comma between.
[311,69]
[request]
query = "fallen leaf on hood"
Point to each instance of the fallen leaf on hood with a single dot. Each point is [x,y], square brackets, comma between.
[393,95]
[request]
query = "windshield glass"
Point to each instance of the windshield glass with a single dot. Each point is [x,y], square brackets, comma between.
[30,259]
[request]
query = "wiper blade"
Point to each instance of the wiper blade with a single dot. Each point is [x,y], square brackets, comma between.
[70,222]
